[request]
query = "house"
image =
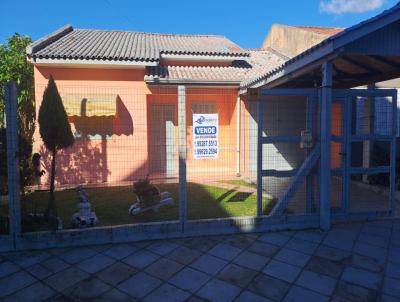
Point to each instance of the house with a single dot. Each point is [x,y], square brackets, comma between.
[120,90]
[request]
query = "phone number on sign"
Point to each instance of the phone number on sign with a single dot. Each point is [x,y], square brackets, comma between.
[206,143]
[209,151]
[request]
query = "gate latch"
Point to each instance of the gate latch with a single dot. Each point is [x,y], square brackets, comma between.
[306,141]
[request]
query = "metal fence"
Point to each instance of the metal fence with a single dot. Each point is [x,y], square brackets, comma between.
[210,156]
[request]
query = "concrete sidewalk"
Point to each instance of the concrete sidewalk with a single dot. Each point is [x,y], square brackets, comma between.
[352,262]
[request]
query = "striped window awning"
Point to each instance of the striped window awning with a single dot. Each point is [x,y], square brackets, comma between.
[90,104]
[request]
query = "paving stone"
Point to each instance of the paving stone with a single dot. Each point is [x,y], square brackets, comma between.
[391,286]
[274,238]
[374,230]
[325,267]
[120,251]
[209,264]
[164,268]
[101,247]
[333,254]
[76,255]
[36,292]
[96,263]
[116,273]
[282,270]
[189,279]
[55,265]
[139,285]
[303,246]
[263,249]
[248,296]
[66,278]
[310,235]
[15,282]
[366,263]
[7,268]
[196,299]
[115,295]
[320,283]
[300,294]
[240,241]
[340,239]
[219,291]
[201,244]
[269,287]
[88,289]
[362,277]
[141,259]
[237,275]
[350,292]
[167,293]
[374,240]
[372,251]
[393,270]
[184,255]
[292,257]
[162,248]
[39,271]
[225,251]
[27,259]
[251,260]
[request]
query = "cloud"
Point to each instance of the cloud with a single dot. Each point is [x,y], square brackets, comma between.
[339,7]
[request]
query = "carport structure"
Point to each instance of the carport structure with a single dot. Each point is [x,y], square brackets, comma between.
[344,120]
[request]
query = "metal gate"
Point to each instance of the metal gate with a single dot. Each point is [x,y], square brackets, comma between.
[364,179]
[363,123]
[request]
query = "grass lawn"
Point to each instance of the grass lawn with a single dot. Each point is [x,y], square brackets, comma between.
[111,204]
[240,182]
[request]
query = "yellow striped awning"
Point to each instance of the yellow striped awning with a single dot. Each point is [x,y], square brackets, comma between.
[90,104]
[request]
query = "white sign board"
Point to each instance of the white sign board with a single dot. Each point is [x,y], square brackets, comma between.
[205,136]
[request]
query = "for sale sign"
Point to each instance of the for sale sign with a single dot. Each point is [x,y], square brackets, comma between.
[205,136]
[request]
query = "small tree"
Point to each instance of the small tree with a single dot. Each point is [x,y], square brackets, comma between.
[55,131]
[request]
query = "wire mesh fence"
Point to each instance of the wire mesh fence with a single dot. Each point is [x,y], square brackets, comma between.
[124,166]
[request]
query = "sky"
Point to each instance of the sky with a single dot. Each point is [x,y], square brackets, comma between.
[244,22]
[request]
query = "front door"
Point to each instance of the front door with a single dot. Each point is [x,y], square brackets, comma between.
[163,153]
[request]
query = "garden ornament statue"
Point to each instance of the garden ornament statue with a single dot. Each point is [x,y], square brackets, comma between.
[85,217]
[148,197]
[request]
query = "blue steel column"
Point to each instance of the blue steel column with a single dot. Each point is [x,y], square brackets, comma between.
[325,166]
[14,206]
[260,123]
[182,155]
[393,156]
[310,177]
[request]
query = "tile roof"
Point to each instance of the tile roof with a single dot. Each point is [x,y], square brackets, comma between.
[259,60]
[88,44]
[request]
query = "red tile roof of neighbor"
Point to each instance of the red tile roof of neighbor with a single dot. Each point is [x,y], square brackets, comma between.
[328,31]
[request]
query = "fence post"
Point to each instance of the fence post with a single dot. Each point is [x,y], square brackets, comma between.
[182,155]
[325,166]
[393,157]
[14,206]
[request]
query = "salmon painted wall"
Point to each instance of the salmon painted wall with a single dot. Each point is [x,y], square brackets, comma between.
[118,148]
[225,105]
[119,151]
